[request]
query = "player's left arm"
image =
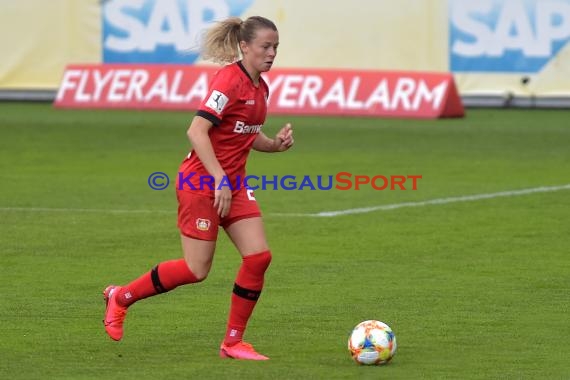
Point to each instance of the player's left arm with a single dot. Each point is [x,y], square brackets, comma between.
[283,141]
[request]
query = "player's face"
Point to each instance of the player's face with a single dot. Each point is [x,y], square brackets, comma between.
[260,52]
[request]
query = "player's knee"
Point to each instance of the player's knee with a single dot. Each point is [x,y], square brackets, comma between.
[200,272]
[201,275]
[259,262]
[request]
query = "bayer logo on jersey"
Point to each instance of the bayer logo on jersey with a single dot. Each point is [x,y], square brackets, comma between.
[217,101]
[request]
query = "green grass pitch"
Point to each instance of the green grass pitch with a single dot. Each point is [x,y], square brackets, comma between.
[472,290]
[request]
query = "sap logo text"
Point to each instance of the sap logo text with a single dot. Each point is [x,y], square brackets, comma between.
[160,31]
[507,35]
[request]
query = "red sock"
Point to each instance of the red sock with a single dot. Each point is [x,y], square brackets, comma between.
[162,278]
[247,289]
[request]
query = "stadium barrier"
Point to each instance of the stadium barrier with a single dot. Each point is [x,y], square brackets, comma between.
[292,91]
[502,53]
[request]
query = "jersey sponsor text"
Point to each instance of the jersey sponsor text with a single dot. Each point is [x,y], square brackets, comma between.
[241,127]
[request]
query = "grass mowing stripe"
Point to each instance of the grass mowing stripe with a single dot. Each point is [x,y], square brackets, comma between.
[94,210]
[362,210]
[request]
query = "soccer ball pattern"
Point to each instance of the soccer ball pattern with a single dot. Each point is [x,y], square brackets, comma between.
[372,343]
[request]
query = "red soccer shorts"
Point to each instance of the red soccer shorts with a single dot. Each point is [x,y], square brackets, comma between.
[198,219]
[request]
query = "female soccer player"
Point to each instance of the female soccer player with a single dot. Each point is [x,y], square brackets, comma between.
[225,128]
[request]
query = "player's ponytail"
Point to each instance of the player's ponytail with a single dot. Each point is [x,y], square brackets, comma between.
[221,42]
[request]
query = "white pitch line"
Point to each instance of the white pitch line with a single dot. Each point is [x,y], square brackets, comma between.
[323,214]
[438,201]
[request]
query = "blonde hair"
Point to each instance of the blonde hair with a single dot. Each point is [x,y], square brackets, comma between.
[221,42]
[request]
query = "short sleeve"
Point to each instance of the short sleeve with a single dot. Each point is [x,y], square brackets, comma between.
[221,94]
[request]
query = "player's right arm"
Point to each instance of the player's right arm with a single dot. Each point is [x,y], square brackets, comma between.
[202,145]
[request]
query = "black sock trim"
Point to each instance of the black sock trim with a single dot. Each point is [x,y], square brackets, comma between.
[248,294]
[156,280]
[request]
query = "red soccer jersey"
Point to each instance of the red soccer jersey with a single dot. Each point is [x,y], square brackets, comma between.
[237,108]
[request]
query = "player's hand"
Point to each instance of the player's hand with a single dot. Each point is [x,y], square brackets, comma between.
[222,199]
[284,138]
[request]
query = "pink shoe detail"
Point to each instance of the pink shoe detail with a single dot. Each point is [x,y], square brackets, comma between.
[241,350]
[114,314]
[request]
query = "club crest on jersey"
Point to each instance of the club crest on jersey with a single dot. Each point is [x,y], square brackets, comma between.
[217,101]
[203,224]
